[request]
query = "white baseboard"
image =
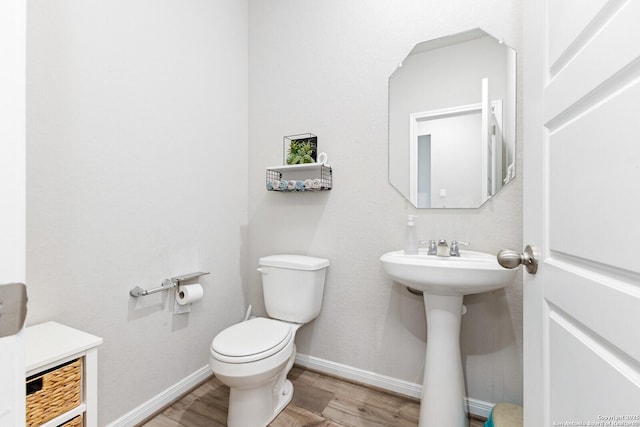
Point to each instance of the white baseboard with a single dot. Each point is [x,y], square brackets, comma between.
[156,403]
[479,407]
[354,374]
[475,406]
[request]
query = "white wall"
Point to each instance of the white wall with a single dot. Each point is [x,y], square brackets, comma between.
[323,67]
[12,197]
[137,171]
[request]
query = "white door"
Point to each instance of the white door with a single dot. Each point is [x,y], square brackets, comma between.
[582,212]
[12,212]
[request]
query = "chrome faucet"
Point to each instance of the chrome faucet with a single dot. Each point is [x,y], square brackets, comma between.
[442,248]
[455,251]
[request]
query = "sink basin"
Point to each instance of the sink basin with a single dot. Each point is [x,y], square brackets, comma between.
[471,273]
[444,281]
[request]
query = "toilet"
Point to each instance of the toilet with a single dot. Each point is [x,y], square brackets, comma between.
[254,357]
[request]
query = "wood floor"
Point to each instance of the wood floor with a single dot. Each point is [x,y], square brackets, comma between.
[318,400]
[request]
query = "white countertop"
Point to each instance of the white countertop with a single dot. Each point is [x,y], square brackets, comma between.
[51,342]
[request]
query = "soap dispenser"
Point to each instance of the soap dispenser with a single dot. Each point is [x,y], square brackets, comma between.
[411,244]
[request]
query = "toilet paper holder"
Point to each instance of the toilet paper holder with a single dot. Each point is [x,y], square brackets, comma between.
[166,284]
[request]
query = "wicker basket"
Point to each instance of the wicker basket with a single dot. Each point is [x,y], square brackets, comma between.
[54,392]
[75,422]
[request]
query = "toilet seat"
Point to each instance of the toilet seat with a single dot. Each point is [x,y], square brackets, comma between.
[252,340]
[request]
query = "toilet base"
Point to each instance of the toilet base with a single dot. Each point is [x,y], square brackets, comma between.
[258,406]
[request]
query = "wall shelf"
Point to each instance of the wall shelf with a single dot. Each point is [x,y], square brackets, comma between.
[308,177]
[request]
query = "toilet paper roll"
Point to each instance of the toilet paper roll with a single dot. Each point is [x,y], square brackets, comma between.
[186,294]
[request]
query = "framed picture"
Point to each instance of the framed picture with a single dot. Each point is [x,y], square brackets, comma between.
[299,149]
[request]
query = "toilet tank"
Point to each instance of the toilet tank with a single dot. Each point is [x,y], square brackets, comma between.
[293,286]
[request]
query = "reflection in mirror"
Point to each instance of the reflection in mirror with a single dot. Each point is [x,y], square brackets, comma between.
[452,121]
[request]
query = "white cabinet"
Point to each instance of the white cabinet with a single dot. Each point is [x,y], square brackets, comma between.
[49,345]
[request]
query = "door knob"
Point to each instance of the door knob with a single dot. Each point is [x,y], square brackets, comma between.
[511,259]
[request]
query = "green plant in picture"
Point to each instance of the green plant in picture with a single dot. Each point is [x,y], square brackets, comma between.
[300,151]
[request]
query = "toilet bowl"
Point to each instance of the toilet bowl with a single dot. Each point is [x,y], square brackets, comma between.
[254,357]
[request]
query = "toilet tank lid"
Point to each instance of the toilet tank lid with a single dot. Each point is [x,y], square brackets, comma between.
[295,262]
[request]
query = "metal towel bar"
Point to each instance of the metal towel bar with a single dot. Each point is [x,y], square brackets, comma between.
[166,284]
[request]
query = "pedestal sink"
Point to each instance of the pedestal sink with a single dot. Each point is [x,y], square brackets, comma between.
[444,281]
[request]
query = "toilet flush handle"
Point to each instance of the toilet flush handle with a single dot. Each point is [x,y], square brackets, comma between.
[261,270]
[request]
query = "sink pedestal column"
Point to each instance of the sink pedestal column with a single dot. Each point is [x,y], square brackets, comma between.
[443,394]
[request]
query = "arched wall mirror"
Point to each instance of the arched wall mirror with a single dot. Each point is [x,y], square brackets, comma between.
[452,121]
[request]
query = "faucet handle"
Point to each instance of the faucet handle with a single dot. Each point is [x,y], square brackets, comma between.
[430,245]
[455,250]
